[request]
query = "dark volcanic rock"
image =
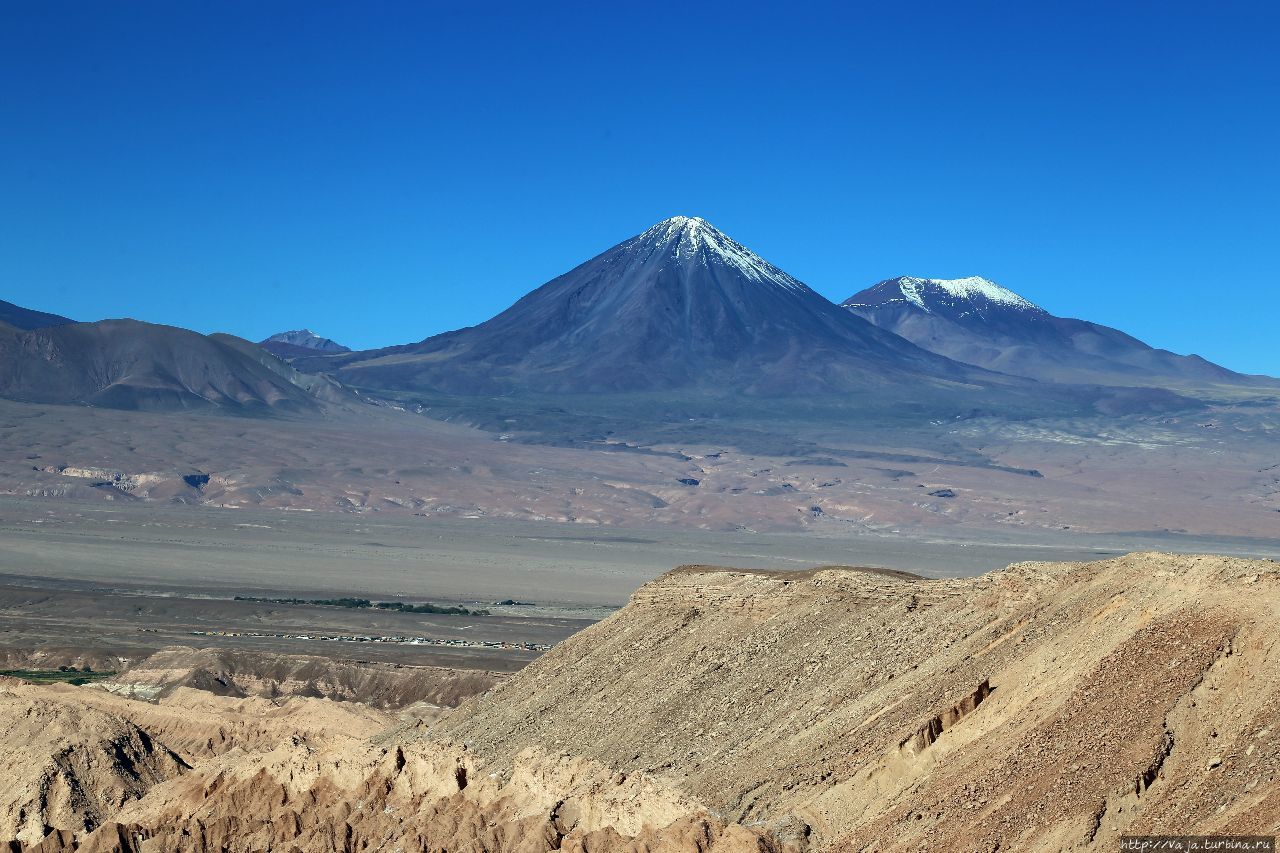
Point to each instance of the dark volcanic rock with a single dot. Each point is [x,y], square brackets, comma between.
[26,318]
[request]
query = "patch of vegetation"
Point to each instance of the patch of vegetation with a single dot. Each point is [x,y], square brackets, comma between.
[449,610]
[61,675]
[361,603]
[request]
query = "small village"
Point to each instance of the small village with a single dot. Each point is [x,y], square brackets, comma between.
[400,640]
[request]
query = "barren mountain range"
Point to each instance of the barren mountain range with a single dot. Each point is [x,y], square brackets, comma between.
[1044,706]
[977,321]
[679,308]
[677,378]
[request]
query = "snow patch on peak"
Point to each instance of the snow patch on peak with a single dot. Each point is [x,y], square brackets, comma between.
[910,288]
[682,221]
[970,289]
[692,238]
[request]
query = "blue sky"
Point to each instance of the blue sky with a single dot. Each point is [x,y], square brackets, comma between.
[381,172]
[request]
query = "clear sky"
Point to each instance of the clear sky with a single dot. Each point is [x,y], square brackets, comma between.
[384,171]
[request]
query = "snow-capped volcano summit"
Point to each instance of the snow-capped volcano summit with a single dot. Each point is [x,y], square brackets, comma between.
[942,294]
[680,304]
[977,321]
[692,239]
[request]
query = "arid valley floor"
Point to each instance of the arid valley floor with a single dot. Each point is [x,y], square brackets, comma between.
[613,704]
[135,577]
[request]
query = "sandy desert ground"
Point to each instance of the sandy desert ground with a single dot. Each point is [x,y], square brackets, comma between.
[1209,472]
[164,548]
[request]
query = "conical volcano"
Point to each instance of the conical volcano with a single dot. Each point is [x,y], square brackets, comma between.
[680,305]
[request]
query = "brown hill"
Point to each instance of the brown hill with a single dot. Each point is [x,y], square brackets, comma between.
[1046,706]
[69,766]
[73,757]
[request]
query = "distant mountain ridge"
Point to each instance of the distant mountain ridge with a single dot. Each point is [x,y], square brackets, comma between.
[127,364]
[977,321]
[27,319]
[300,342]
[681,305]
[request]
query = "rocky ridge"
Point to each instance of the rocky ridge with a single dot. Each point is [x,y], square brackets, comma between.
[242,674]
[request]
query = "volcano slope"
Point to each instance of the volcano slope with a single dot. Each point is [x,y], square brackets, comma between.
[1042,707]
[681,305]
